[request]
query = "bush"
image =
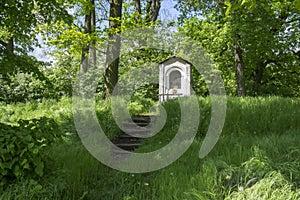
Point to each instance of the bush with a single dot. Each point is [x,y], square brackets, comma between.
[25,87]
[21,146]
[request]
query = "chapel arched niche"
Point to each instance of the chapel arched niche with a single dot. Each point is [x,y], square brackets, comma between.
[175,79]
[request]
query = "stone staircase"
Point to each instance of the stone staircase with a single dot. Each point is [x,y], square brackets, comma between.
[136,129]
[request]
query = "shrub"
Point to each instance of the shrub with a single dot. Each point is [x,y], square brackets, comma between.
[21,146]
[25,87]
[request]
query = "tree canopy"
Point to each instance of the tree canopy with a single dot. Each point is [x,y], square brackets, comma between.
[255,44]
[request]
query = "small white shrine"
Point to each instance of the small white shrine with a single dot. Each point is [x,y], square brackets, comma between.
[174,78]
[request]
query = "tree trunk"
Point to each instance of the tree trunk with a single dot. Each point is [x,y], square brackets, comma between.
[155,7]
[151,15]
[152,10]
[139,11]
[258,77]
[89,28]
[9,46]
[92,48]
[239,65]
[113,49]
[138,6]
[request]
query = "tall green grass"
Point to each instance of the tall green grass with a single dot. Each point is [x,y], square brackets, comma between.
[260,115]
[257,157]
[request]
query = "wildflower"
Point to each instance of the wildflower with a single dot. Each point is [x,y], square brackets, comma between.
[146,184]
[241,188]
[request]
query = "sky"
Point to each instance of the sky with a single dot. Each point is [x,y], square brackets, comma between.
[167,11]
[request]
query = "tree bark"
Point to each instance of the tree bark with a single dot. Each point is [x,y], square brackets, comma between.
[138,6]
[113,49]
[138,9]
[258,77]
[155,7]
[89,28]
[239,65]
[9,46]
[92,48]
[152,10]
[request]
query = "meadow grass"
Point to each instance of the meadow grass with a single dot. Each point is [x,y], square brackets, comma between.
[239,167]
[257,157]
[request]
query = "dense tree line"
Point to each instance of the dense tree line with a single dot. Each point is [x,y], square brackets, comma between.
[255,44]
[259,40]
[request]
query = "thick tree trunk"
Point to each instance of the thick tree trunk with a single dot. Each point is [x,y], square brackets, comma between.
[155,7]
[239,65]
[139,11]
[89,28]
[113,49]
[152,10]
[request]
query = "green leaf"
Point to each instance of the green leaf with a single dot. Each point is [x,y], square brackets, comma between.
[30,145]
[17,171]
[28,138]
[298,4]
[39,169]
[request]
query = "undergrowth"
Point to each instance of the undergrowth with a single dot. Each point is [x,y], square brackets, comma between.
[256,157]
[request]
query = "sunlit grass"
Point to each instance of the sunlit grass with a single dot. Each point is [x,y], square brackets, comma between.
[257,157]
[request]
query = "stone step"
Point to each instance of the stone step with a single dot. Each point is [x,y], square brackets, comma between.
[142,118]
[138,128]
[125,136]
[128,146]
[134,124]
[127,141]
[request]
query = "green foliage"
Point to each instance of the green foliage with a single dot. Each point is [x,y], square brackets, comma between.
[242,164]
[24,189]
[19,19]
[25,87]
[139,67]
[21,148]
[12,64]
[266,31]
[106,119]
[139,105]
